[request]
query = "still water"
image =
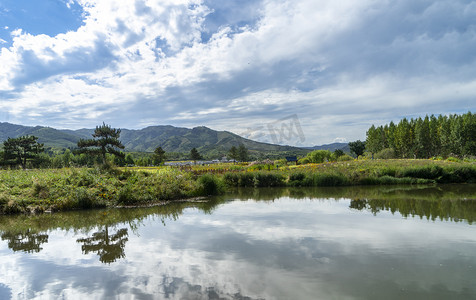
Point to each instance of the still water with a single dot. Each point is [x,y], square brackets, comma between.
[346,243]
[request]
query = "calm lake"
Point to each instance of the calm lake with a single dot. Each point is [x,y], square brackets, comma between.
[327,243]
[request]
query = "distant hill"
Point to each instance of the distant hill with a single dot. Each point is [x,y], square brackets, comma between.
[331,147]
[49,136]
[210,142]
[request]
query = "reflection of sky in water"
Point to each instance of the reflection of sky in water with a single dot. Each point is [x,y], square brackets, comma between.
[286,249]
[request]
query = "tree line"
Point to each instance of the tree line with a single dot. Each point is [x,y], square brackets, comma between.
[452,135]
[103,148]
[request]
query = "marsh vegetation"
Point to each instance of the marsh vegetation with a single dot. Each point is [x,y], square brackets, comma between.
[84,188]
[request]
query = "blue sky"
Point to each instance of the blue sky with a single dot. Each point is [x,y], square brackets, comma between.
[326,69]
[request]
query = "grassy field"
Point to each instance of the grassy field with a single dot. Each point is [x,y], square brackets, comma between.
[82,188]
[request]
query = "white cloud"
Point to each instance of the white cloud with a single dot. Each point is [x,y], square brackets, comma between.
[321,60]
[340,140]
[69,3]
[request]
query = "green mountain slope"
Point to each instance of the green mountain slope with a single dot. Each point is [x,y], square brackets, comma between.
[49,136]
[210,142]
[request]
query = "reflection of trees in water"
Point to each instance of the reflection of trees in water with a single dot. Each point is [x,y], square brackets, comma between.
[109,247]
[455,210]
[425,192]
[26,241]
[177,287]
[28,233]
[445,202]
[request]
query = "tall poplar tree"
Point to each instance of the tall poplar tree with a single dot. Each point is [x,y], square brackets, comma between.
[431,136]
[422,138]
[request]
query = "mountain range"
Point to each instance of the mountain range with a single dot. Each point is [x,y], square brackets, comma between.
[170,138]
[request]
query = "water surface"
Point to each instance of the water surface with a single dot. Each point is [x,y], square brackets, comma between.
[346,243]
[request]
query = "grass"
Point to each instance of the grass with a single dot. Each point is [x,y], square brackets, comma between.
[357,172]
[83,188]
[70,189]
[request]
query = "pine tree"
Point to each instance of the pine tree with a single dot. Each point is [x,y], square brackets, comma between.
[357,147]
[233,153]
[159,156]
[195,155]
[105,140]
[19,151]
[242,153]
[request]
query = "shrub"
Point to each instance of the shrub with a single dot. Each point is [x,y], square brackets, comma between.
[427,172]
[85,178]
[246,180]
[83,198]
[126,196]
[461,174]
[40,190]
[387,171]
[264,164]
[297,179]
[337,153]
[210,185]
[12,208]
[320,156]
[125,175]
[345,157]
[4,199]
[387,153]
[231,179]
[369,181]
[453,159]
[330,180]
[268,180]
[389,180]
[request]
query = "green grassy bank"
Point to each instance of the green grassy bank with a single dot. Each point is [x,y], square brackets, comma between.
[70,189]
[24,191]
[358,172]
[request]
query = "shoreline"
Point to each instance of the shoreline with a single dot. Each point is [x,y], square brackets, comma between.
[52,190]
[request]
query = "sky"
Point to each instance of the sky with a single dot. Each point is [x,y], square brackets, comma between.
[297,72]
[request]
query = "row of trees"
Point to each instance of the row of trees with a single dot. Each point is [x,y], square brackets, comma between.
[453,135]
[102,148]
